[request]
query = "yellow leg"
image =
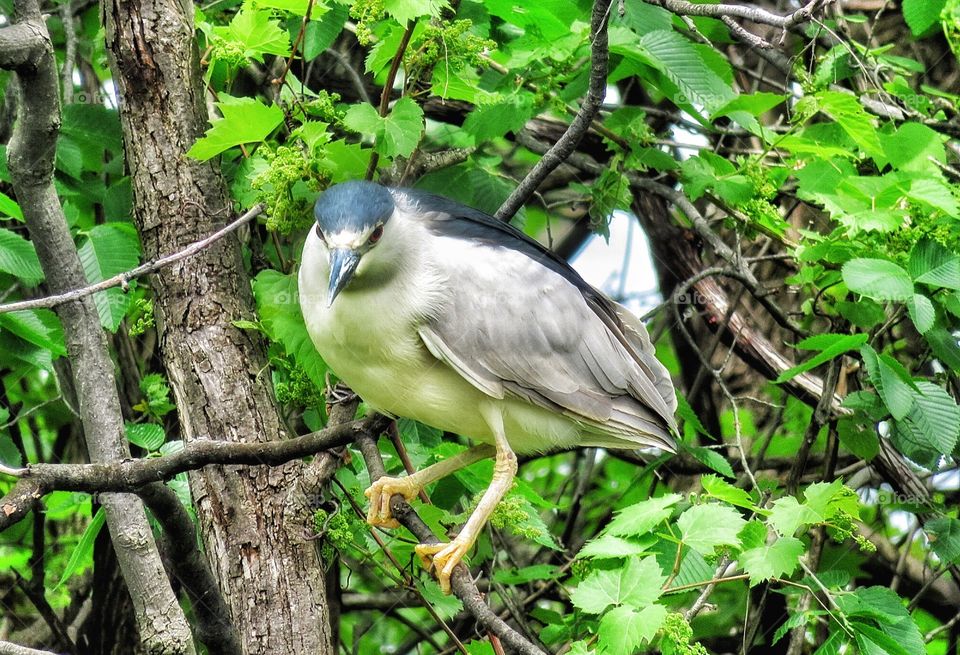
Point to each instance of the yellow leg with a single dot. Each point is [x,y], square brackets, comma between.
[444,557]
[380,492]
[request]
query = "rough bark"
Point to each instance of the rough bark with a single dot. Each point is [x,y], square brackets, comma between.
[26,48]
[269,574]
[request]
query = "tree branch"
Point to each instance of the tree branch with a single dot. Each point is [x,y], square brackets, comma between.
[7,648]
[750,13]
[131,474]
[123,279]
[30,160]
[213,625]
[565,146]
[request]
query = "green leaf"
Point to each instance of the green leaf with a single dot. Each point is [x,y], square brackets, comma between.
[859,437]
[723,490]
[872,641]
[863,313]
[711,458]
[405,10]
[491,120]
[278,303]
[320,34]
[89,131]
[298,7]
[41,327]
[687,67]
[753,535]
[787,515]
[921,312]
[625,630]
[690,418]
[932,192]
[108,250]
[9,207]
[933,264]
[829,345]
[344,161]
[897,631]
[776,560]
[846,109]
[878,279]
[256,34]
[708,172]
[470,183]
[637,584]
[526,574]
[935,417]
[545,22]
[148,436]
[82,555]
[893,382]
[944,346]
[944,536]
[245,120]
[18,257]
[912,146]
[396,134]
[640,518]
[642,17]
[446,605]
[704,527]
[828,499]
[922,16]
[607,546]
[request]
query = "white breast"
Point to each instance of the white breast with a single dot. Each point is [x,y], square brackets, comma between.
[369,338]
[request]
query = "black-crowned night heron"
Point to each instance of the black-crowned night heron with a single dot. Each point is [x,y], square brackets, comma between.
[440,313]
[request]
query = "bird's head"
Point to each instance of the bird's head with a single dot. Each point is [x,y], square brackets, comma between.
[351,219]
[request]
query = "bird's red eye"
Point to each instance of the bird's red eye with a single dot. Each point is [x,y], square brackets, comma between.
[320,234]
[376,234]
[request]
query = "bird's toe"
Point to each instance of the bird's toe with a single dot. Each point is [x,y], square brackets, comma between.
[443,558]
[379,493]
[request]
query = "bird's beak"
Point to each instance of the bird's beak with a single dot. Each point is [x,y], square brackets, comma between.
[343,263]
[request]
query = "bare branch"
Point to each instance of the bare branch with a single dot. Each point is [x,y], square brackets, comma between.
[748,12]
[122,279]
[564,147]
[212,616]
[7,648]
[131,474]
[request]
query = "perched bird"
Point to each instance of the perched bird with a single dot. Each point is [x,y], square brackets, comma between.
[440,313]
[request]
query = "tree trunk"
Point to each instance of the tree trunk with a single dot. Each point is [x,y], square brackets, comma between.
[252,521]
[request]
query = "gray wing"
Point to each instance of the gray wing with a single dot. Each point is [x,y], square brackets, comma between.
[540,338]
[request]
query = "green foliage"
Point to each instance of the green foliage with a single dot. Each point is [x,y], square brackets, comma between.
[278,303]
[148,436]
[245,120]
[156,397]
[286,186]
[395,134]
[109,250]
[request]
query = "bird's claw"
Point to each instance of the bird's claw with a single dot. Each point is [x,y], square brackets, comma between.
[443,558]
[380,492]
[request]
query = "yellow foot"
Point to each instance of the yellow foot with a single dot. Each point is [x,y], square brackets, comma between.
[380,492]
[443,558]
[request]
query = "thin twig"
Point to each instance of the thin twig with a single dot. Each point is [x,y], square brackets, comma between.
[123,279]
[564,147]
